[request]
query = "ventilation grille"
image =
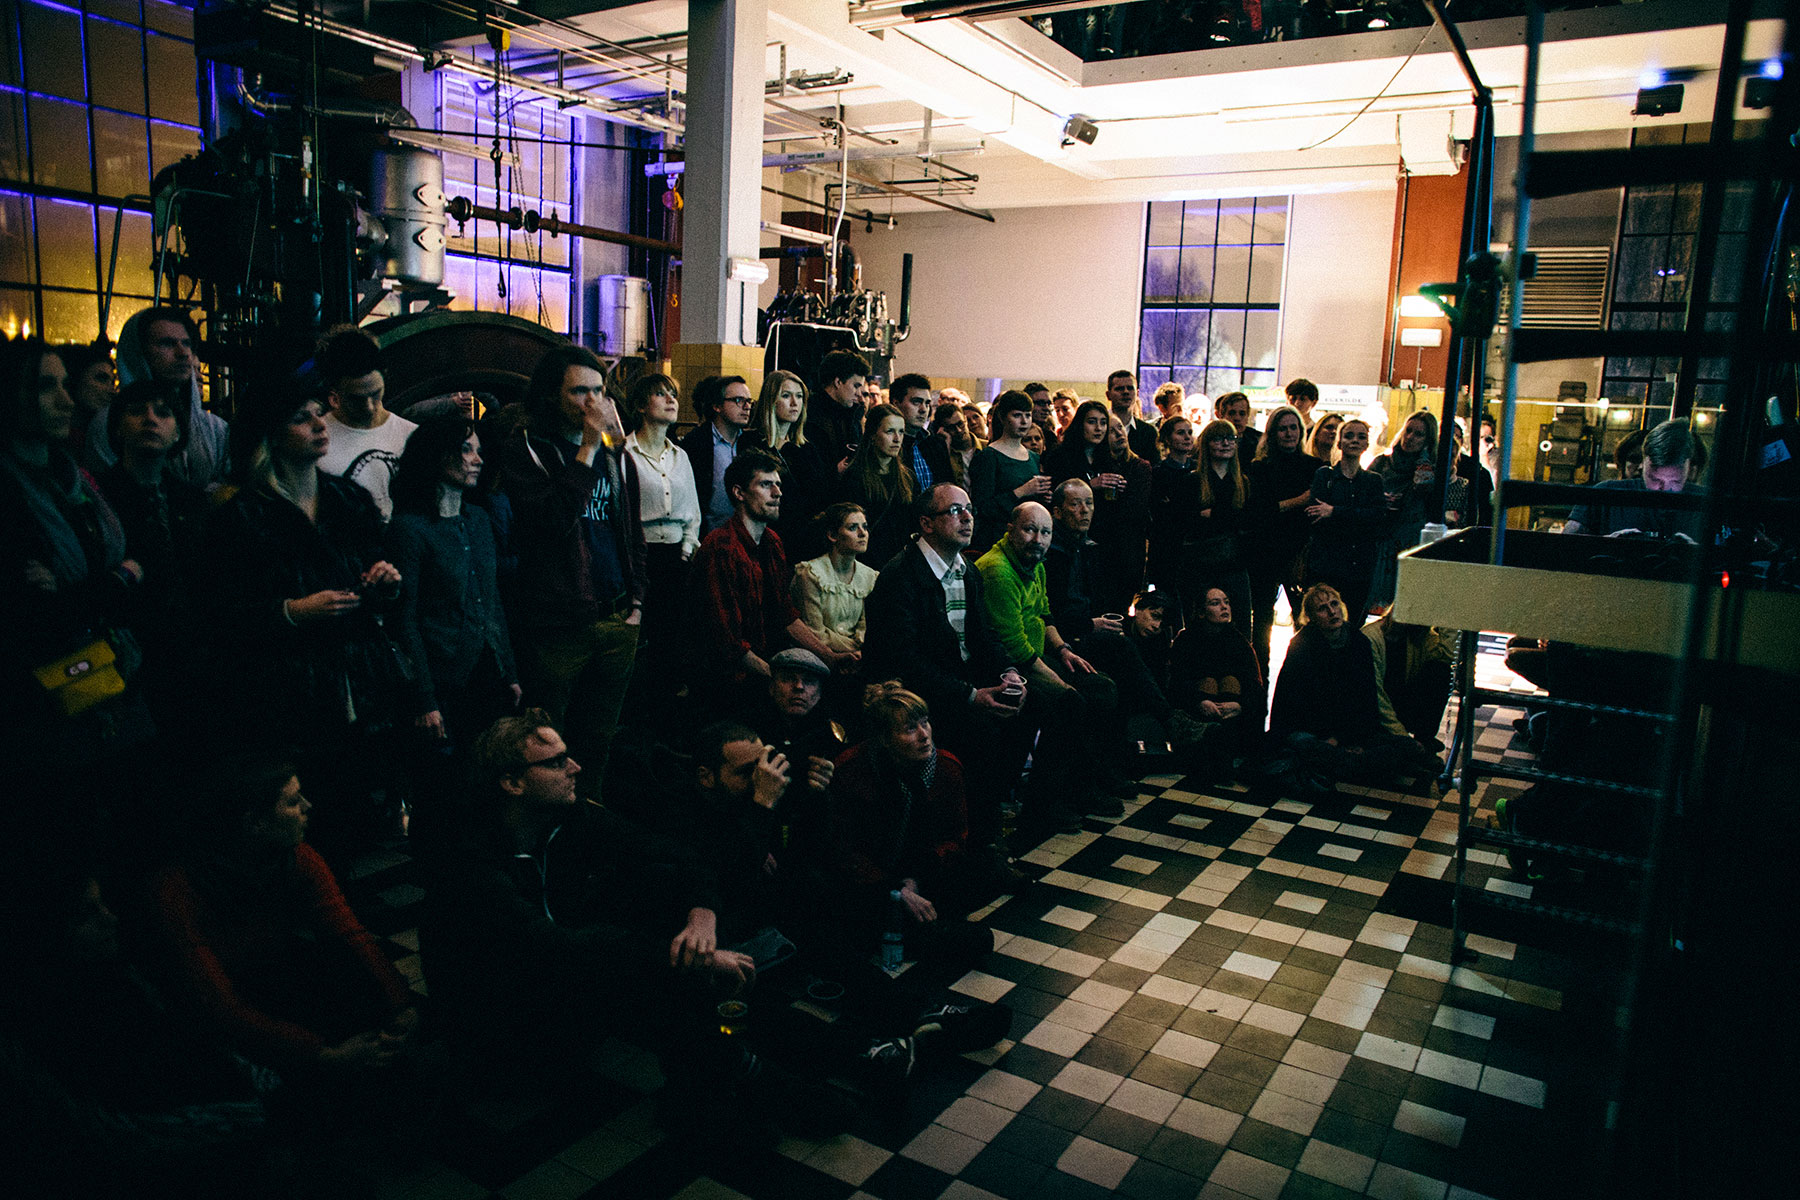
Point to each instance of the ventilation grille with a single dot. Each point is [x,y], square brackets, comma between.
[1568,291]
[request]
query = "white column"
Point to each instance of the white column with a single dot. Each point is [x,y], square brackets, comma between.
[722,216]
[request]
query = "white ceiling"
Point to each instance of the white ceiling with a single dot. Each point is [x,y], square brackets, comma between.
[1258,119]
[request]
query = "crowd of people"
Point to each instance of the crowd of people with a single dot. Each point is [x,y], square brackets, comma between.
[658,716]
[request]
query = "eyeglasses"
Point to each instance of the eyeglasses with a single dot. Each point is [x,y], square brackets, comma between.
[555,762]
[955,510]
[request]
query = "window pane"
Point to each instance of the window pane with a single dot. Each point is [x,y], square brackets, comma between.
[1271,220]
[556,301]
[116,62]
[1197,274]
[169,18]
[12,135]
[1226,347]
[17,263]
[1201,222]
[459,281]
[1221,380]
[1262,334]
[1259,379]
[1639,260]
[71,316]
[1235,224]
[1265,274]
[16,312]
[132,274]
[121,156]
[59,143]
[1165,224]
[1192,381]
[1150,378]
[120,10]
[1231,280]
[1157,340]
[65,244]
[1687,207]
[53,39]
[1162,274]
[174,80]
[1190,337]
[169,144]
[1648,208]
[9,46]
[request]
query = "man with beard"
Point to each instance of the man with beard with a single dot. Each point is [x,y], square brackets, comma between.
[1067,692]
[742,610]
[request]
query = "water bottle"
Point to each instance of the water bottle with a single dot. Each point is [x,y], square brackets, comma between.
[893,938]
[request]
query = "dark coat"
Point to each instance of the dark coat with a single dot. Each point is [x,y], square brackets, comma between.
[262,551]
[550,490]
[1325,690]
[909,636]
[450,610]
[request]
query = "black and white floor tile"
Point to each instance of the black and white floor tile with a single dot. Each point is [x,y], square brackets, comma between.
[1211,997]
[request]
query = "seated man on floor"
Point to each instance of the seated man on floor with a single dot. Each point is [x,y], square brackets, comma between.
[926,629]
[554,923]
[1070,697]
[1070,570]
[1326,723]
[742,612]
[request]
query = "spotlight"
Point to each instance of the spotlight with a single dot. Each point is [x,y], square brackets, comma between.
[1376,14]
[1080,129]
[1658,101]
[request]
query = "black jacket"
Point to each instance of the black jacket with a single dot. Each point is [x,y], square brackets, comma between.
[909,636]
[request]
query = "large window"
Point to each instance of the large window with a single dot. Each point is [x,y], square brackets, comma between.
[493,268]
[1211,316]
[96,96]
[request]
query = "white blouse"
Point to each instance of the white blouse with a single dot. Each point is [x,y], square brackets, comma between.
[831,605]
[668,503]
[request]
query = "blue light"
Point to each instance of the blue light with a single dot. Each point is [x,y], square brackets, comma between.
[1771,68]
[1651,78]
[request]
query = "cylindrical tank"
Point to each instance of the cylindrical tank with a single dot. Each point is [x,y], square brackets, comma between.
[621,320]
[406,188]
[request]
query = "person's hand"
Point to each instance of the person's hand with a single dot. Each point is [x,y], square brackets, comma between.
[997,701]
[697,941]
[322,606]
[917,907]
[516,692]
[755,664]
[1318,510]
[1105,625]
[1110,479]
[433,724]
[134,569]
[843,464]
[1075,662]
[769,865]
[1229,708]
[848,662]
[770,778]
[731,970]
[382,573]
[634,617]
[37,575]
[358,1052]
[818,772]
[1211,708]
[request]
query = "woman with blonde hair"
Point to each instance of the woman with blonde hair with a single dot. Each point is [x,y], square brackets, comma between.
[778,428]
[1321,443]
[1346,511]
[1408,471]
[1213,547]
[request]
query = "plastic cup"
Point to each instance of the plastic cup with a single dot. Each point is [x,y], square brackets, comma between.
[734,1015]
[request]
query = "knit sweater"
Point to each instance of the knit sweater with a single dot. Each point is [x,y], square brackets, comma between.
[1017,603]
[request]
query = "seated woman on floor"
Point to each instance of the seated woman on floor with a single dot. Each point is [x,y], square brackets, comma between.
[1326,723]
[1213,676]
[266,953]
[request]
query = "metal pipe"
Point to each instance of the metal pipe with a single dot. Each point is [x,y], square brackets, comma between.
[1459,48]
[889,188]
[940,10]
[264,104]
[462,209]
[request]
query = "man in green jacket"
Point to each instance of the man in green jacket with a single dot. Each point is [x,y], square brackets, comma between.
[1066,692]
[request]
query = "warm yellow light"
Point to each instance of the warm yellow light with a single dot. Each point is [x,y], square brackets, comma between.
[1419,306]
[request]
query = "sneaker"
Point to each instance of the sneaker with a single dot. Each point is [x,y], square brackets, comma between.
[959,1028]
[889,1061]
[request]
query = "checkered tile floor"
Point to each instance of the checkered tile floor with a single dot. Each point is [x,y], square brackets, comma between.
[1211,998]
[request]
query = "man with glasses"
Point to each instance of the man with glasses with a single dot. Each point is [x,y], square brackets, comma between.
[926,629]
[723,402]
[553,923]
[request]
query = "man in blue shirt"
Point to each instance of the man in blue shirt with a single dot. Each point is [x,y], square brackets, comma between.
[723,402]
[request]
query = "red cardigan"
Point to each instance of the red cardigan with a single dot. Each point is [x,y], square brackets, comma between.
[212,945]
[866,809]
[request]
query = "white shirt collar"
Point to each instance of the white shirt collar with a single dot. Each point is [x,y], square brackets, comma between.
[938,566]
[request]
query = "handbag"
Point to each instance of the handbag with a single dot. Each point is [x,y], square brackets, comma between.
[89,676]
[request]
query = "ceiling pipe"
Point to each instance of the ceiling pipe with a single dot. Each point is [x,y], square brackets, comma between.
[267,104]
[977,10]
[462,209]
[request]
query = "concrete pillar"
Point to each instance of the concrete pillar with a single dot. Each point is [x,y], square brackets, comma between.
[722,217]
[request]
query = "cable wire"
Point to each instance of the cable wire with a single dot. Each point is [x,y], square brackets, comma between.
[1413,53]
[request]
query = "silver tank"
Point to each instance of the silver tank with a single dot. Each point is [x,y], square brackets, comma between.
[622,314]
[406,189]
